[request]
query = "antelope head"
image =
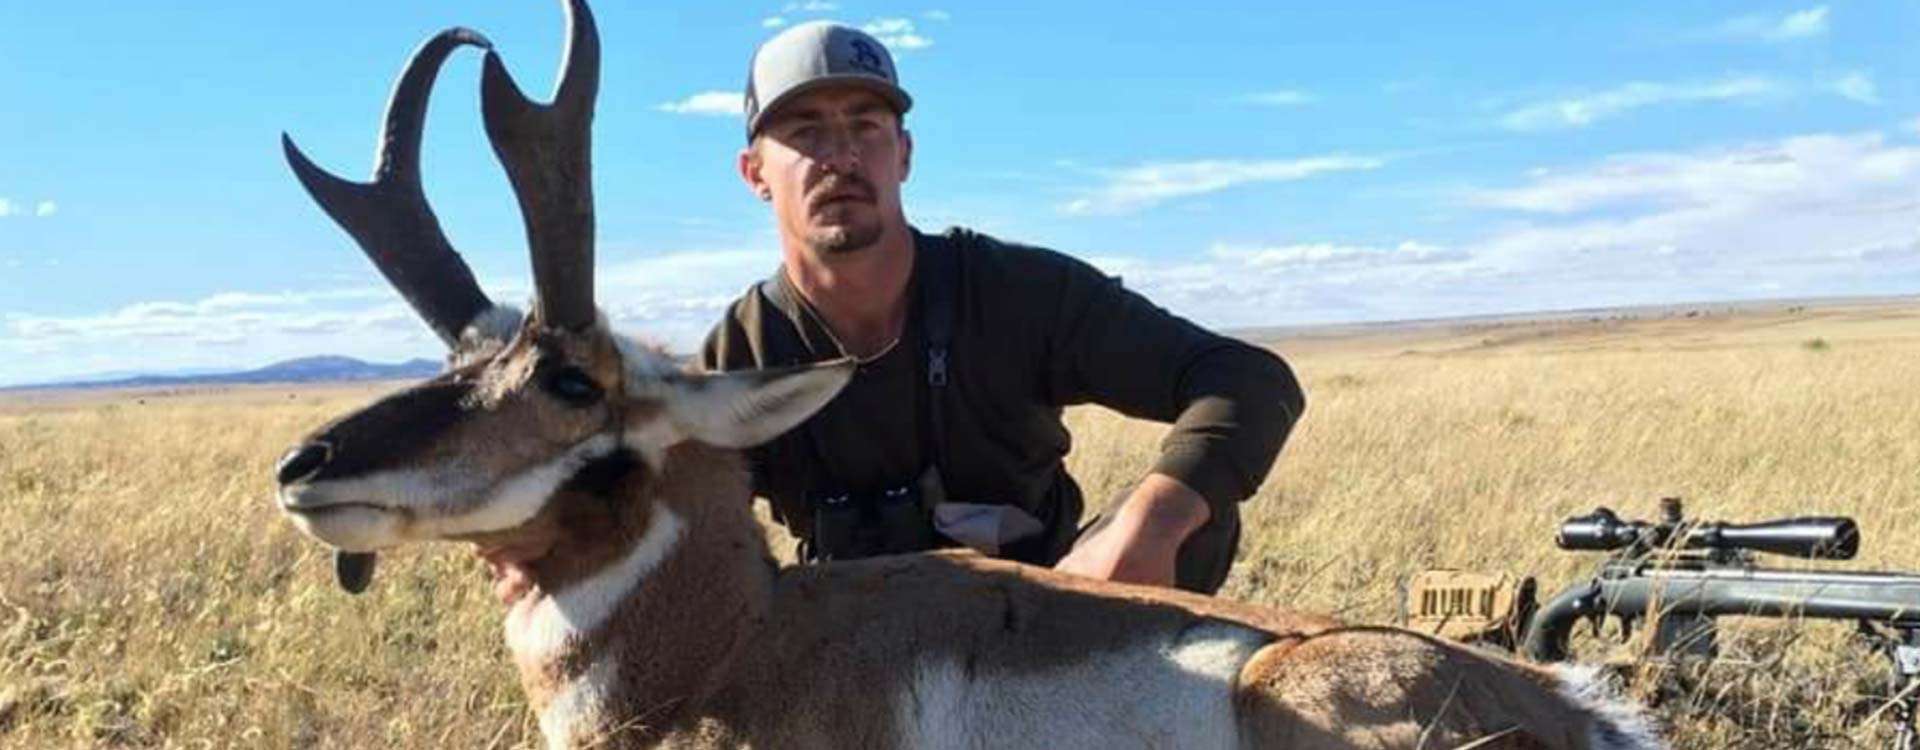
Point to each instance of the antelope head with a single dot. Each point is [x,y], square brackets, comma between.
[529,403]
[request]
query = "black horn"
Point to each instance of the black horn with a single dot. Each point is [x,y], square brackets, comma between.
[389,217]
[545,149]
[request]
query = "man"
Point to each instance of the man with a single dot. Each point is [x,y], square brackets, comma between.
[969,347]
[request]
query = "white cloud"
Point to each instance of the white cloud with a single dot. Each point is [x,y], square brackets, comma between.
[45,208]
[1802,24]
[811,6]
[1581,111]
[1278,98]
[6,208]
[937,15]
[709,103]
[773,22]
[219,332]
[1814,215]
[1709,223]
[898,34]
[1881,252]
[674,298]
[226,314]
[1823,167]
[1232,285]
[1857,86]
[1805,23]
[1329,255]
[1148,185]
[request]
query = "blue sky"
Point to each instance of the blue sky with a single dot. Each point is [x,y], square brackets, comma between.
[1242,163]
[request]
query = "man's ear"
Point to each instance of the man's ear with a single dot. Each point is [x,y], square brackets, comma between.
[906,153]
[749,165]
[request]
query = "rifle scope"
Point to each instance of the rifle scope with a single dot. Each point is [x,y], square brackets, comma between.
[1819,537]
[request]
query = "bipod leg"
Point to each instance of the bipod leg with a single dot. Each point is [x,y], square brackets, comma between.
[1905,649]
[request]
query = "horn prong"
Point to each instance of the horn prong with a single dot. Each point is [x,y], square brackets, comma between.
[406,116]
[580,78]
[389,217]
[546,151]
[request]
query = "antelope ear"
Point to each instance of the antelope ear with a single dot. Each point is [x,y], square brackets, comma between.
[749,407]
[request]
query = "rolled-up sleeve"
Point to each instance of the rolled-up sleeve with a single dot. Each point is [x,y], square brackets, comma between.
[1232,404]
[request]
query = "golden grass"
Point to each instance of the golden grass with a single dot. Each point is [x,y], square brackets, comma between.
[151,596]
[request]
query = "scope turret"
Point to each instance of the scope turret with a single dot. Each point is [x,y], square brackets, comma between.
[1821,537]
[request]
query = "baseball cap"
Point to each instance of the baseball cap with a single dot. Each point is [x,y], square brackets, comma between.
[815,54]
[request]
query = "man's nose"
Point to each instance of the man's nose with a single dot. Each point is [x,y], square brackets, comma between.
[840,152]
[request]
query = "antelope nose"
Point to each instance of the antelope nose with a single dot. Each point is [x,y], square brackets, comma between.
[302,462]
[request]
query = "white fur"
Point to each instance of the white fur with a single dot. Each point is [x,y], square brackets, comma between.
[394,488]
[652,440]
[577,714]
[434,495]
[643,362]
[496,323]
[520,497]
[541,628]
[369,529]
[738,410]
[1588,688]
[485,335]
[1149,696]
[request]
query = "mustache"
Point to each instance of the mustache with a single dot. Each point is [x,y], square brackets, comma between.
[840,186]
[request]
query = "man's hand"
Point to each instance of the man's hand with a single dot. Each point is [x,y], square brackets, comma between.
[1142,541]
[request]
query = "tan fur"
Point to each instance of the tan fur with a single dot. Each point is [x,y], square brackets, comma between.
[714,646]
[844,629]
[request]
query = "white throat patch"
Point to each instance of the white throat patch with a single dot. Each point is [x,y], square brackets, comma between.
[577,715]
[543,628]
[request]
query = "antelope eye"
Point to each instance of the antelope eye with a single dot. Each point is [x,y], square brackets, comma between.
[571,384]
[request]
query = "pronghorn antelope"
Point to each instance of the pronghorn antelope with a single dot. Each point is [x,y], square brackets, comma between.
[656,615]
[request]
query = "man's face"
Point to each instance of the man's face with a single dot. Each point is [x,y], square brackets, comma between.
[831,162]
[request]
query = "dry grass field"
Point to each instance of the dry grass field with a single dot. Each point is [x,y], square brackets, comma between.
[150,596]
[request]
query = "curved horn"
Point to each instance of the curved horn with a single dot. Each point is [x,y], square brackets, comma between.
[389,217]
[546,151]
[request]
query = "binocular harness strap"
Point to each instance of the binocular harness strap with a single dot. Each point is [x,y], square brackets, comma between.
[938,276]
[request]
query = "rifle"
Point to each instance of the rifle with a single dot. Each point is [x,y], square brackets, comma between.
[1682,574]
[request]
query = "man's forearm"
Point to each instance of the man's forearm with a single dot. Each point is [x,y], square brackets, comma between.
[1141,542]
[1164,508]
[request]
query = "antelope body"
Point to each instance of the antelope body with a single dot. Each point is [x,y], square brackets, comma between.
[657,616]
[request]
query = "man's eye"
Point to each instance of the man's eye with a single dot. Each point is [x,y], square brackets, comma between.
[571,384]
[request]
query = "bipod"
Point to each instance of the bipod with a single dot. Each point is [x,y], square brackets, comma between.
[1901,644]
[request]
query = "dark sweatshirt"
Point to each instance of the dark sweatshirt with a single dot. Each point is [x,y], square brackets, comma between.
[1034,331]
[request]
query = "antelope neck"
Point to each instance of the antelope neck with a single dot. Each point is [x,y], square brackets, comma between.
[656,614]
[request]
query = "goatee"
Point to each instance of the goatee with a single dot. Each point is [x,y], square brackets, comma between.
[843,239]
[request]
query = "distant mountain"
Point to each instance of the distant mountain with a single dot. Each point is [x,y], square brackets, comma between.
[323,369]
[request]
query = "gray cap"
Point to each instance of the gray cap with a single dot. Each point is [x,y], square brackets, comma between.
[814,54]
